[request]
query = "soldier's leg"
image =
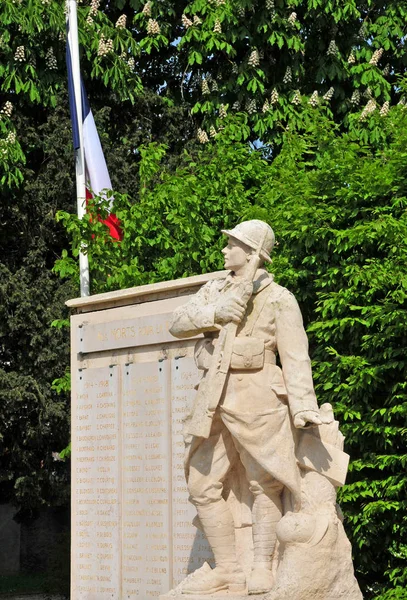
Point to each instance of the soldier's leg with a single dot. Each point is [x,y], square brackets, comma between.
[266,513]
[208,468]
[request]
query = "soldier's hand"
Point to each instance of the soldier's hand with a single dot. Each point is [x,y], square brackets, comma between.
[230,309]
[306,418]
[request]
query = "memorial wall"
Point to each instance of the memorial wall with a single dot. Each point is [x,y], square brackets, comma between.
[132,386]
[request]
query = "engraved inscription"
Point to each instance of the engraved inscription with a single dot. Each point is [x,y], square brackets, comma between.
[146,480]
[96,484]
[125,333]
[132,535]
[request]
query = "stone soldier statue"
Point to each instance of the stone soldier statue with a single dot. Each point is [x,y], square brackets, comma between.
[260,407]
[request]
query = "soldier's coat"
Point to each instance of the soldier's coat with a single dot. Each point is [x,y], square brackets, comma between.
[256,404]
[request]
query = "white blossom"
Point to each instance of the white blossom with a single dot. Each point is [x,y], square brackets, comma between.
[385,109]
[218,27]
[363,31]
[222,111]
[270,4]
[368,110]
[328,95]
[251,106]
[105,46]
[153,27]
[7,109]
[332,48]
[296,98]
[377,54]
[254,59]
[314,100]
[212,131]
[11,138]
[386,70]
[94,7]
[202,136]
[205,87]
[274,97]
[355,98]
[236,105]
[121,22]
[186,22]
[147,9]
[197,20]
[351,58]
[50,60]
[266,106]
[288,76]
[292,19]
[19,55]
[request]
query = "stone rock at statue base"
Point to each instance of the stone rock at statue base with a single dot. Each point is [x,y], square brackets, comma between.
[320,572]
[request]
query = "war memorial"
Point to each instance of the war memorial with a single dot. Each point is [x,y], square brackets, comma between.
[202,465]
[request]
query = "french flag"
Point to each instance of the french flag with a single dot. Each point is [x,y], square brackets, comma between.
[97,175]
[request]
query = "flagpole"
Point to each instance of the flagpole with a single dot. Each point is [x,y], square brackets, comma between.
[72,18]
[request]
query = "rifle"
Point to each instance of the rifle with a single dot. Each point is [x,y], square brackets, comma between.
[211,386]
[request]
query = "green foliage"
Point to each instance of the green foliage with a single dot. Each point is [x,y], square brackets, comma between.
[269,58]
[340,215]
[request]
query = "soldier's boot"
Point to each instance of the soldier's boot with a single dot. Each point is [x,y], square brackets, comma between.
[266,514]
[218,526]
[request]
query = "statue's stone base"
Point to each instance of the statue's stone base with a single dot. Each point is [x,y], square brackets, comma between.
[269,596]
[180,596]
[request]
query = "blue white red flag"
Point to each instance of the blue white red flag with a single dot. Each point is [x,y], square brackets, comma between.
[97,175]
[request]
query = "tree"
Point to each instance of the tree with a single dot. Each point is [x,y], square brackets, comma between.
[270,59]
[36,180]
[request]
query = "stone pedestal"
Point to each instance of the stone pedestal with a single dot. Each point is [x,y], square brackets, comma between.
[132,385]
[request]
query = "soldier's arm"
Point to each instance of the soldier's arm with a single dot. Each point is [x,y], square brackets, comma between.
[196,316]
[292,345]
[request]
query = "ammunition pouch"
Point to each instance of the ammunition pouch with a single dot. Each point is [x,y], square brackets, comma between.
[248,354]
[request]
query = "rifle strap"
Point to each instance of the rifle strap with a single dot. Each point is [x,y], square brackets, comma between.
[259,302]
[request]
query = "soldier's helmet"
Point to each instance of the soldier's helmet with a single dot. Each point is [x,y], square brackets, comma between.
[252,233]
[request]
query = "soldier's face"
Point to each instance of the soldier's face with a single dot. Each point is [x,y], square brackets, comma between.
[236,255]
